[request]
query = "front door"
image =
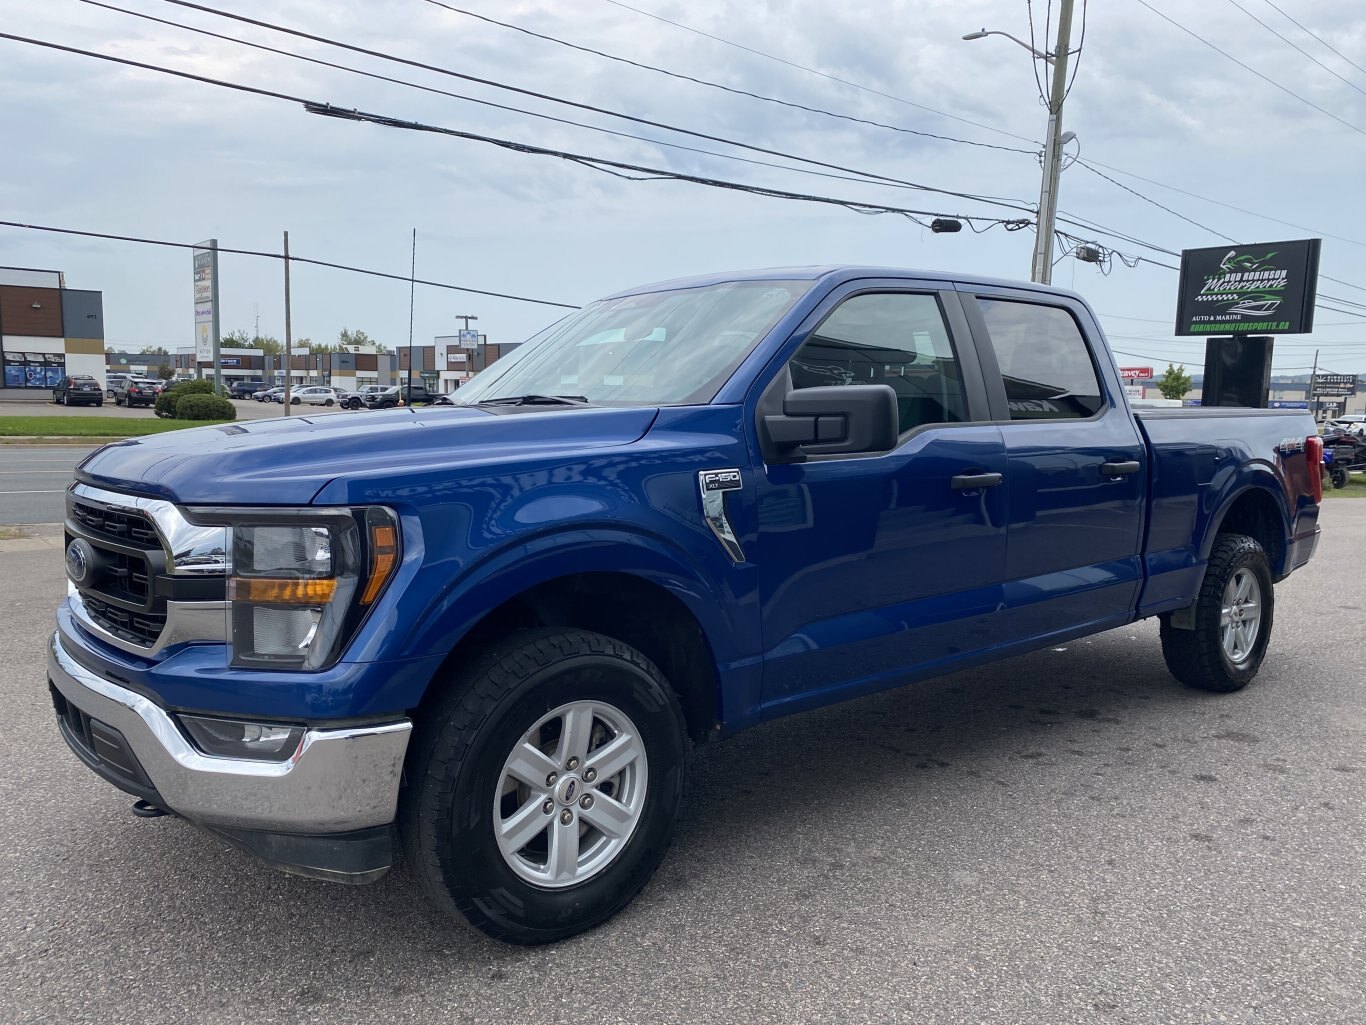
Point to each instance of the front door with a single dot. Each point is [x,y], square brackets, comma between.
[873,565]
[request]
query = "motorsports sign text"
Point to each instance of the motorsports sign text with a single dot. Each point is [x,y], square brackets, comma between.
[1267,288]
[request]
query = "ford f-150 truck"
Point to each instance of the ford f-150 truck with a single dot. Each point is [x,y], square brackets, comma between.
[494,629]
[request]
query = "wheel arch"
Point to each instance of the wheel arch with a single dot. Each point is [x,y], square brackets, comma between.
[1256,510]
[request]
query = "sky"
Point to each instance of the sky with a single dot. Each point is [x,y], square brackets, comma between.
[1227,153]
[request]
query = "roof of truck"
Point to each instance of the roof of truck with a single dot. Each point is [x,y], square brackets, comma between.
[836,274]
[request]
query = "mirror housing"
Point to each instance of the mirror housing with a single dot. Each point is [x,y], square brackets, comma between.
[833,420]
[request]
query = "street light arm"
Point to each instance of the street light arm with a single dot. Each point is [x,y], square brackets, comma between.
[983,33]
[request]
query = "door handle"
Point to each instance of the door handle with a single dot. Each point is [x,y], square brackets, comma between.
[974,481]
[1124,469]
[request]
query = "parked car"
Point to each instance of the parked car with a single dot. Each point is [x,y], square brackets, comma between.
[356,399]
[136,391]
[266,394]
[313,395]
[495,633]
[78,389]
[388,398]
[443,400]
[112,382]
[245,389]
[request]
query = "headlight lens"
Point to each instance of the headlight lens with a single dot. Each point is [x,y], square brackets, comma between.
[302,583]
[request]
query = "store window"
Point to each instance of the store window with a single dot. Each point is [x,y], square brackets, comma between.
[34,369]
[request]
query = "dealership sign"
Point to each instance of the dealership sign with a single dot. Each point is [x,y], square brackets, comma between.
[1268,288]
[1136,373]
[1336,385]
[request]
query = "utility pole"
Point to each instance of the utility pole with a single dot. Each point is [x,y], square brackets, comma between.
[289,339]
[412,288]
[1042,270]
[1313,399]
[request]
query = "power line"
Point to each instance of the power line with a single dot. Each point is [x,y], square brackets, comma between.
[1154,202]
[872,176]
[1316,36]
[822,74]
[1301,49]
[1248,67]
[724,88]
[292,259]
[471,99]
[638,172]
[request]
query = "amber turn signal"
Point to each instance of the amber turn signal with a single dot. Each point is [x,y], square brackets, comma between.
[269,591]
[383,559]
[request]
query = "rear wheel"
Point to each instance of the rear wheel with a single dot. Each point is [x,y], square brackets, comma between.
[1339,476]
[1233,617]
[544,786]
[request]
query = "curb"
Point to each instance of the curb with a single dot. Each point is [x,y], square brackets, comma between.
[63,439]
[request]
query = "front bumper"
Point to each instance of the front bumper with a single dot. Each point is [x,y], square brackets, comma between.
[339,781]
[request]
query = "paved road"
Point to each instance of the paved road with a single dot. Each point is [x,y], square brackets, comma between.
[1068,837]
[33,479]
[247,409]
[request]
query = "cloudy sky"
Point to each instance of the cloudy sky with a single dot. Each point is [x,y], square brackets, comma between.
[107,148]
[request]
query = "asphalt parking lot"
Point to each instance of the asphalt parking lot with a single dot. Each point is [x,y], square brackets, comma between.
[1065,837]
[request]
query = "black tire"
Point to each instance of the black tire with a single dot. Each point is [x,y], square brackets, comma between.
[1197,657]
[1339,476]
[329,402]
[295,400]
[100,404]
[446,811]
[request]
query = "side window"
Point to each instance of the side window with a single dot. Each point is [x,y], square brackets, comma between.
[894,338]
[1045,363]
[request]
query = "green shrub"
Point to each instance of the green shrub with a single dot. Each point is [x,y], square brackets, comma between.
[198,406]
[166,402]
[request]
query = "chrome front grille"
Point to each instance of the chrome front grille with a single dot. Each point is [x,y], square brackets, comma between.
[155,579]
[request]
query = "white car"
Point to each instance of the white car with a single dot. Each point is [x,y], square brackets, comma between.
[314,395]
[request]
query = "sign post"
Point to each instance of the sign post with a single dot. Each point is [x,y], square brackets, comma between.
[206,309]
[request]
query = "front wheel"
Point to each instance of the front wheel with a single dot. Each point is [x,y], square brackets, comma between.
[1233,617]
[544,786]
[1339,476]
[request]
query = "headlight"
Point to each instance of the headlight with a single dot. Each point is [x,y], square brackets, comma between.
[303,580]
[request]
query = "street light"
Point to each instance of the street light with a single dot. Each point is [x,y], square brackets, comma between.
[1041,269]
[983,33]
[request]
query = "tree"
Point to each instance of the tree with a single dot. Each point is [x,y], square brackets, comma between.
[347,338]
[1175,382]
[268,344]
[165,372]
[153,350]
[238,339]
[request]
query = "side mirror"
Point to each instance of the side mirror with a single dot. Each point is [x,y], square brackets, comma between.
[832,420]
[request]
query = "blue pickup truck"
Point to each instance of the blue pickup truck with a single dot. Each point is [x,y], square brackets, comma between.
[493,630]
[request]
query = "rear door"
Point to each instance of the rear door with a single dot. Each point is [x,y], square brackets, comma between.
[1076,464]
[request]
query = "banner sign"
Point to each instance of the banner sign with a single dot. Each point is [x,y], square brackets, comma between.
[205,299]
[1265,288]
[1136,373]
[1336,385]
[1288,404]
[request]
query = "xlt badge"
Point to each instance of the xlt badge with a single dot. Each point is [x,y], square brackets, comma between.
[714,484]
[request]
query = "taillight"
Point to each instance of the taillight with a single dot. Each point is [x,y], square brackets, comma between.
[1313,456]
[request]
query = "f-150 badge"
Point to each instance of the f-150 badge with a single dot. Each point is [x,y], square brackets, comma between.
[714,484]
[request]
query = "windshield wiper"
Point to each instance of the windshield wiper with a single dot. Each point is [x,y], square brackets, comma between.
[537,400]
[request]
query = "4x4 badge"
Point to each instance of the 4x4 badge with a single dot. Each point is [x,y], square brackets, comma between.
[714,484]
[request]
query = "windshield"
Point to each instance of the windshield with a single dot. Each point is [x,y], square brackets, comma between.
[657,348]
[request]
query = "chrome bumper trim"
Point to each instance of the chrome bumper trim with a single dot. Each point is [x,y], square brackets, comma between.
[338,780]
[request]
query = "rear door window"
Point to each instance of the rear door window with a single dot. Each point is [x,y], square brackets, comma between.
[1046,365]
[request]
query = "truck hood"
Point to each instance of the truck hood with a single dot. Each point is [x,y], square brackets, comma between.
[287,461]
